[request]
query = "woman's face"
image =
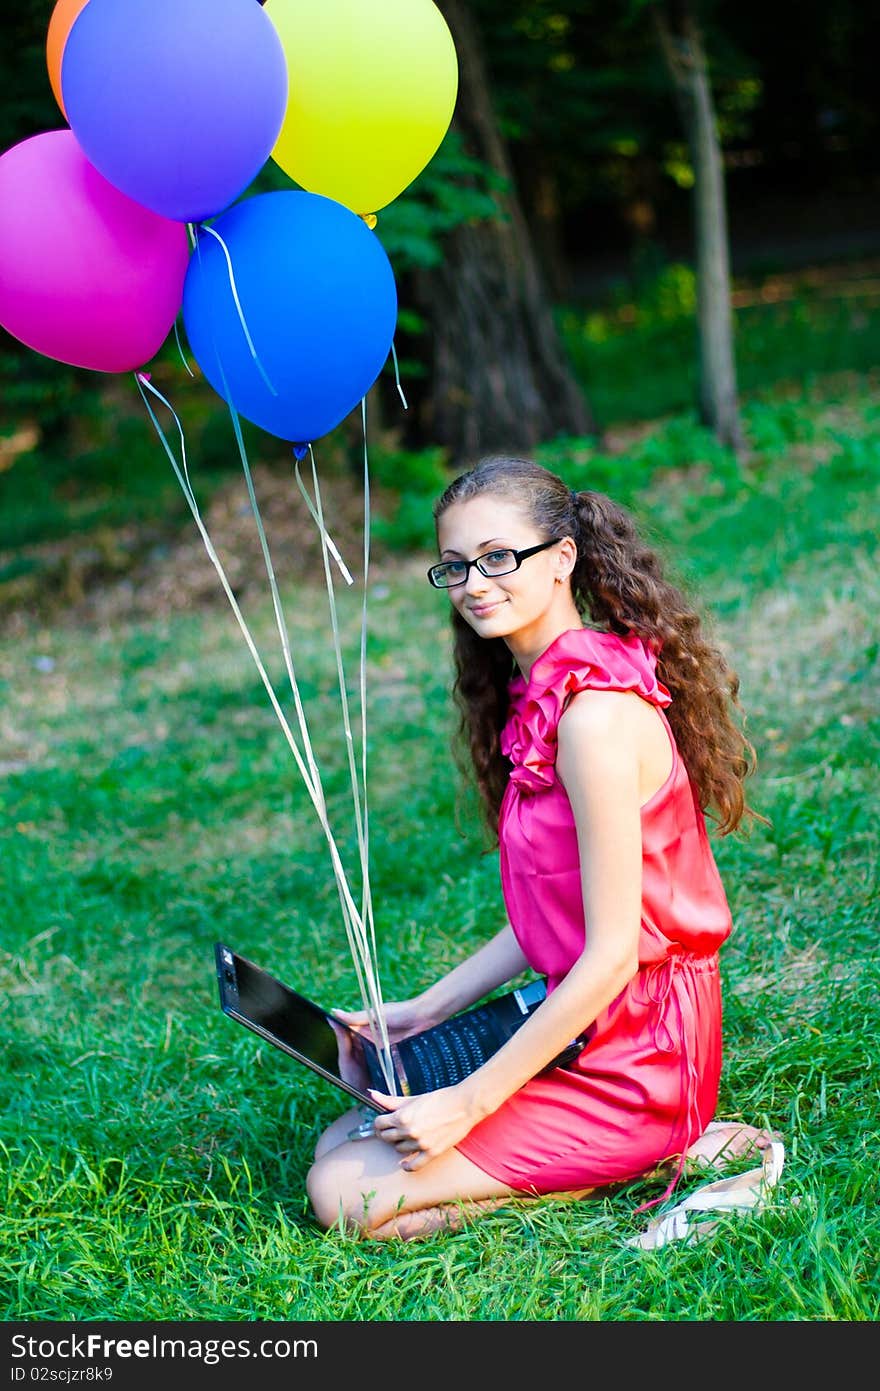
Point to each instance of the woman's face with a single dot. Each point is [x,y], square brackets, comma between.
[521,603]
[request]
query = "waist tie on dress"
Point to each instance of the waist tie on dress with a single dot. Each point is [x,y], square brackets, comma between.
[663,983]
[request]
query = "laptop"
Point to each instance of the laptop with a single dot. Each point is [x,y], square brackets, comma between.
[424,1062]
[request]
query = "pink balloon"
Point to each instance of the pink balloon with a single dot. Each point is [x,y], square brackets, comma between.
[87,276]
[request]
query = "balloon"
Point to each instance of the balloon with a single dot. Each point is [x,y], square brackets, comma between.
[86,275]
[63,15]
[372,90]
[176,102]
[318,300]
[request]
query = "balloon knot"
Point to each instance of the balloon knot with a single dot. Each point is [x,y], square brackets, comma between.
[144,376]
[300,450]
[370,219]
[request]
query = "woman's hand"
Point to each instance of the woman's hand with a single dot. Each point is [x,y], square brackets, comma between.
[402,1018]
[421,1127]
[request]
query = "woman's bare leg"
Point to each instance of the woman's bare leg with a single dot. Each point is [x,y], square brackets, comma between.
[451,1217]
[446,1217]
[361,1184]
[338,1131]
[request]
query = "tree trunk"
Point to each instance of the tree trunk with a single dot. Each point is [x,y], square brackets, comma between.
[500,377]
[686,59]
[540,193]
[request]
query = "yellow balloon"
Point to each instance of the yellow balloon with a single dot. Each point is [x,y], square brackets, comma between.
[371,91]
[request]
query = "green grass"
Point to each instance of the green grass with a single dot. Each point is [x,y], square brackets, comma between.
[153,1154]
[636,354]
[118,471]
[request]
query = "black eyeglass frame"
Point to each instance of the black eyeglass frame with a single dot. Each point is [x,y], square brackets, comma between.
[519,557]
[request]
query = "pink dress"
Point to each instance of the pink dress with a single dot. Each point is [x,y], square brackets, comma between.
[646,1084]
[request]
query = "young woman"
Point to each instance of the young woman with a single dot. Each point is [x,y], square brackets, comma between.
[599,721]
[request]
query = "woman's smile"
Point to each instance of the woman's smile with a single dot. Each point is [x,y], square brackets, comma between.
[484,607]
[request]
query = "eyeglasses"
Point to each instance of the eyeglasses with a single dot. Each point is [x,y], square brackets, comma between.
[503,561]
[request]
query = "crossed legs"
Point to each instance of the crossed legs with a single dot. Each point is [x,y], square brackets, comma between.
[360,1184]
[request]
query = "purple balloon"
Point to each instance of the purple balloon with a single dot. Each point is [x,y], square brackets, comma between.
[178,103]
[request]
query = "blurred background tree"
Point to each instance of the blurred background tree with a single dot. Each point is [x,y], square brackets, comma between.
[680,27]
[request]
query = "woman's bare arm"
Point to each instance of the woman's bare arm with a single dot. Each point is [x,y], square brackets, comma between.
[493,964]
[598,764]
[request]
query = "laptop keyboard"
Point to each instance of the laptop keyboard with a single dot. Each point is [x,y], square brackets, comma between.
[451,1051]
[448,1053]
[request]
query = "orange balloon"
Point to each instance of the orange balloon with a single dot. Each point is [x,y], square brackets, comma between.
[60,25]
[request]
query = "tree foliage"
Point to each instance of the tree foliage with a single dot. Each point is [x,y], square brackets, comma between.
[598,156]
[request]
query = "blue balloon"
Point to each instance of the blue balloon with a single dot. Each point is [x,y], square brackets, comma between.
[317,300]
[178,103]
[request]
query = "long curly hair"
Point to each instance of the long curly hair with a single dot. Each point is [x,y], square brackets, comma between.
[617,583]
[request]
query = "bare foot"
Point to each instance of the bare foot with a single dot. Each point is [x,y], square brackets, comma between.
[447,1217]
[450,1217]
[723,1141]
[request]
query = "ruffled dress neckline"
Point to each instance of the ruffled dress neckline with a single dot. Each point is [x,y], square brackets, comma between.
[578,659]
[608,655]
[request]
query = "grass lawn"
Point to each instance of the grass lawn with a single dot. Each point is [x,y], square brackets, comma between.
[154,1153]
[635,353]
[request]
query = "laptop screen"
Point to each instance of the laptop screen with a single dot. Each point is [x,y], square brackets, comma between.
[292,1020]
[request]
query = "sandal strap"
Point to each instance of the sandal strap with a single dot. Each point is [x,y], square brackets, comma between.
[746,1192]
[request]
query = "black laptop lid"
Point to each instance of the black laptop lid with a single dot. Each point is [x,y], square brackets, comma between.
[287,1016]
[296,1024]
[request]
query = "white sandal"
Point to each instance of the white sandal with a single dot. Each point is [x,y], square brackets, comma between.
[746,1192]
